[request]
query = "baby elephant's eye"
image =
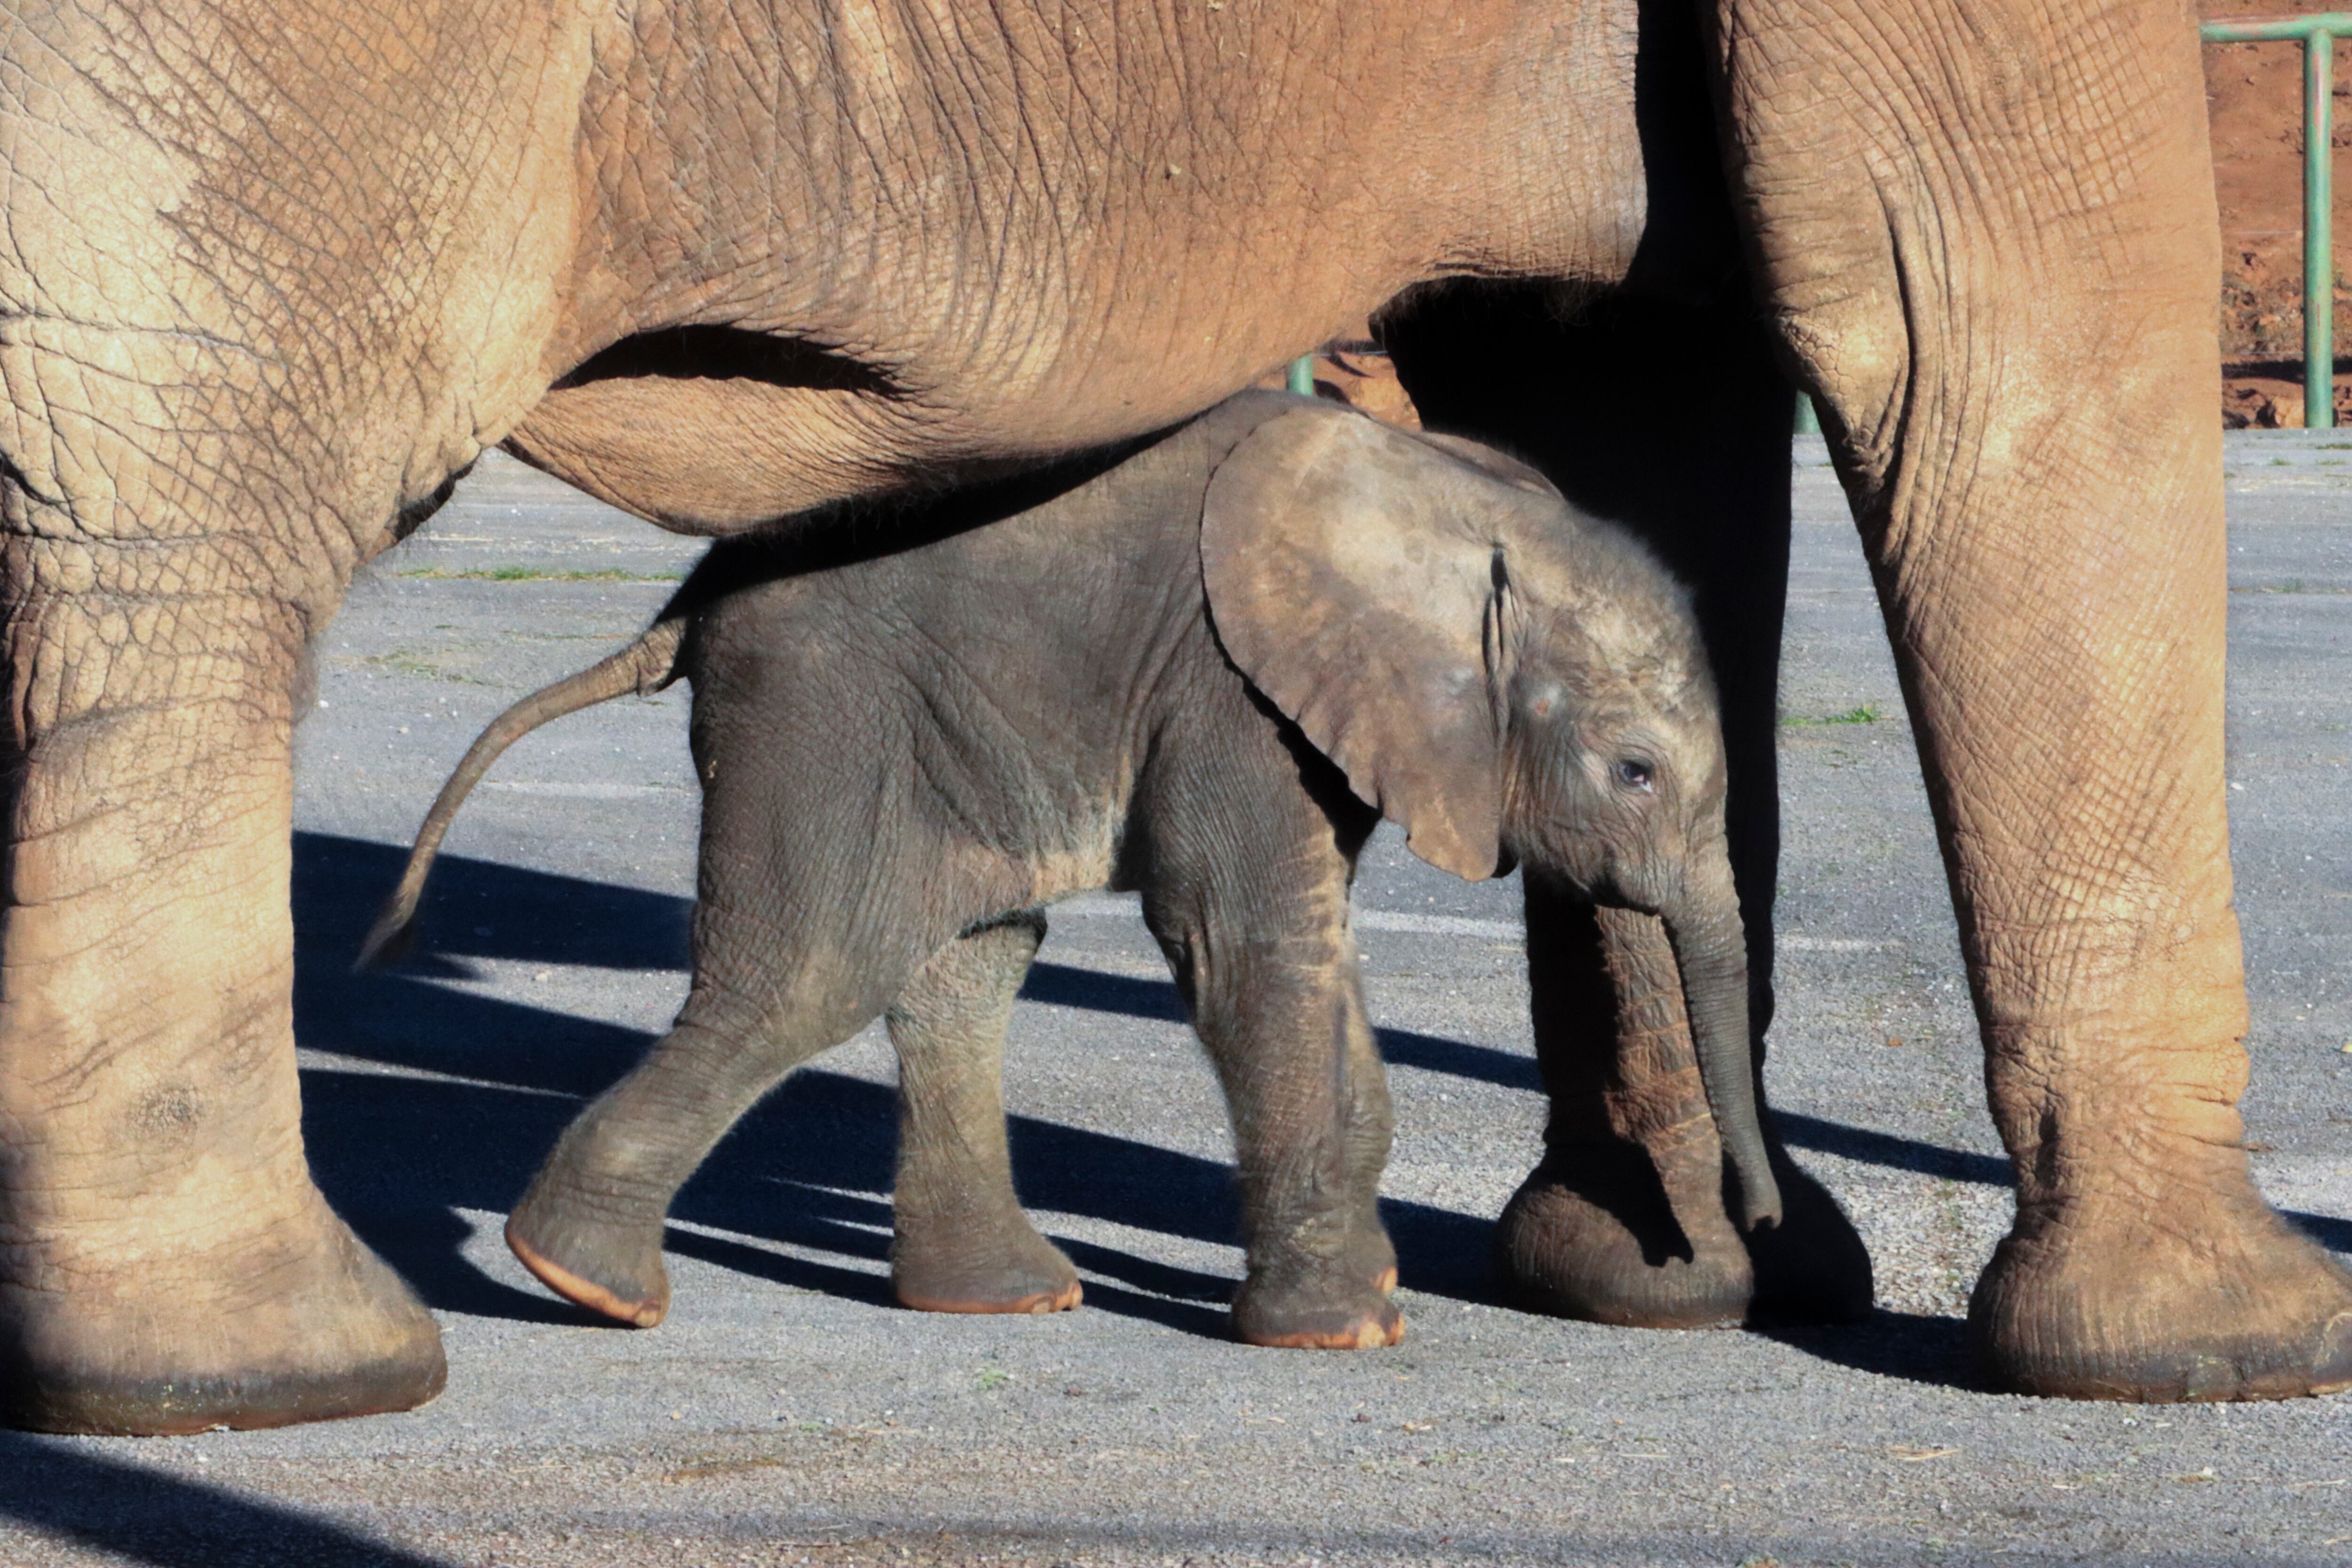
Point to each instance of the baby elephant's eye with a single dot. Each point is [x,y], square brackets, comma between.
[1633,774]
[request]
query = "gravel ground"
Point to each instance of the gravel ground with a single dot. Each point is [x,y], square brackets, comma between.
[787,1413]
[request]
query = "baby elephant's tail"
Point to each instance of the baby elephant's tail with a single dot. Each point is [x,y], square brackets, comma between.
[644,666]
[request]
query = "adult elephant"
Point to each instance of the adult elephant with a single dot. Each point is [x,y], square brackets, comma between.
[273,273]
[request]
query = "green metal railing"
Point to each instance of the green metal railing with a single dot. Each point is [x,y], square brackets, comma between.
[2318,33]
[1302,375]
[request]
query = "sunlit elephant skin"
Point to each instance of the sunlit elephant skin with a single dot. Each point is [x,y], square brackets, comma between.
[1200,675]
[272,275]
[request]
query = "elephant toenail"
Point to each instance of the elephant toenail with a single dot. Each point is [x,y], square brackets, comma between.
[2208,1378]
[2331,1371]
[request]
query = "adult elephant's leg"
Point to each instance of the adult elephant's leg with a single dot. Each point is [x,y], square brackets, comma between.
[1624,1222]
[1988,232]
[165,1263]
[961,1243]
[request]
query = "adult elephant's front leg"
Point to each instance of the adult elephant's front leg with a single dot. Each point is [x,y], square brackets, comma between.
[1988,231]
[165,1263]
[1624,1222]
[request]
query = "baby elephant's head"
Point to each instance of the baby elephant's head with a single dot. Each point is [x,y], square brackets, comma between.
[1503,676]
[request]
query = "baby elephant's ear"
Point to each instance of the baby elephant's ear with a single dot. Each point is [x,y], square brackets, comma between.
[1358,576]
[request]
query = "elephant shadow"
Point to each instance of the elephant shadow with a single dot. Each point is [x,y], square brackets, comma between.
[80,1495]
[491,1083]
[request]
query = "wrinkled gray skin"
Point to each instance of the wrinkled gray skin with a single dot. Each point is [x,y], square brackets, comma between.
[903,759]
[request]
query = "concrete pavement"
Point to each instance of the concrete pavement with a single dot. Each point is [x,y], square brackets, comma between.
[787,1413]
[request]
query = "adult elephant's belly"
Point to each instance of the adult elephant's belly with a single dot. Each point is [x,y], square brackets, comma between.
[714,431]
[714,456]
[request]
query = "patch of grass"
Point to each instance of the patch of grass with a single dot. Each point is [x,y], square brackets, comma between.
[534,575]
[410,664]
[1865,713]
[992,1378]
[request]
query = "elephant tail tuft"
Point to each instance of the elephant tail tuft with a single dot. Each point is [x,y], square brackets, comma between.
[644,666]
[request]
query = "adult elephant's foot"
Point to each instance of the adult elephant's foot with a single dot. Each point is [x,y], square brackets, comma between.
[165,1263]
[594,1259]
[1316,1303]
[1592,1234]
[295,1321]
[980,1263]
[1611,1232]
[2127,1301]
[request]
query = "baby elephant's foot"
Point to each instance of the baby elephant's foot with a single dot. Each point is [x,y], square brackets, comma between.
[608,1267]
[1333,1308]
[938,1266]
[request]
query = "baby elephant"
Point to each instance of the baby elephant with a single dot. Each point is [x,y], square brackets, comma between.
[1201,672]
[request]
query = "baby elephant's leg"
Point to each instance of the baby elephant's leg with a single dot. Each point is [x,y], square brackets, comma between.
[1270,975]
[591,1226]
[962,1244]
[1311,1131]
[1371,1122]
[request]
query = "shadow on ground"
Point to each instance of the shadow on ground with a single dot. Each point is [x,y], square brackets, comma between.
[67,1490]
[811,1166]
[1914,1347]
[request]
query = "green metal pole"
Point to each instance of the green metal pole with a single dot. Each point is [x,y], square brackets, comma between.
[2318,231]
[2318,33]
[1808,422]
[1302,375]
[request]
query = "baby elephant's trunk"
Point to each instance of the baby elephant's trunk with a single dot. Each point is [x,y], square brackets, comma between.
[1711,949]
[644,666]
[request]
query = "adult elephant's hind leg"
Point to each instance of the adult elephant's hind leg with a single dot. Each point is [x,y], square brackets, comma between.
[166,1264]
[961,1243]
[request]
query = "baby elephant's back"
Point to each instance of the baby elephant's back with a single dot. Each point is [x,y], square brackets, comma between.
[998,684]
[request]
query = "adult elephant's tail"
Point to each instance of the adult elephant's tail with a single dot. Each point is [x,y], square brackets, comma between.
[644,666]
